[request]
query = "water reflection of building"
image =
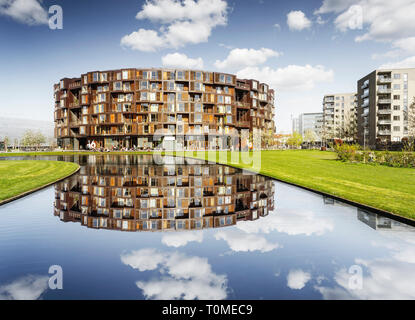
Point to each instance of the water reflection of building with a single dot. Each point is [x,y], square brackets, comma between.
[379,222]
[149,197]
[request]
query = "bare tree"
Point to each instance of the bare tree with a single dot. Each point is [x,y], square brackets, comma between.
[310,137]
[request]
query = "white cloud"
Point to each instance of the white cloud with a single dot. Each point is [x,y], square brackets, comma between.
[239,58]
[335,6]
[297,21]
[297,279]
[182,277]
[180,239]
[288,222]
[290,78]
[385,20]
[405,63]
[242,242]
[182,22]
[25,11]
[29,287]
[277,26]
[390,277]
[143,40]
[180,60]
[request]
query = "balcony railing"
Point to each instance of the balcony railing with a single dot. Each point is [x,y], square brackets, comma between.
[383,122]
[384,80]
[385,101]
[382,90]
[384,132]
[384,111]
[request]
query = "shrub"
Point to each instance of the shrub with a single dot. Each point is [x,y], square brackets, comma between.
[347,152]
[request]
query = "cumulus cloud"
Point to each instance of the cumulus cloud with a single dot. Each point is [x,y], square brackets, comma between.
[294,222]
[180,239]
[240,58]
[385,20]
[182,22]
[405,63]
[388,277]
[29,12]
[241,242]
[29,287]
[290,78]
[297,21]
[181,61]
[334,6]
[181,276]
[297,279]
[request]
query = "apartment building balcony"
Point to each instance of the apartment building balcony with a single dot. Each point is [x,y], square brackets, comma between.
[365,94]
[384,90]
[384,132]
[385,111]
[365,84]
[384,80]
[384,122]
[241,104]
[243,124]
[384,101]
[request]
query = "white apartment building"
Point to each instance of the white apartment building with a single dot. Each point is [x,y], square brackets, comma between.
[339,116]
[384,98]
[311,121]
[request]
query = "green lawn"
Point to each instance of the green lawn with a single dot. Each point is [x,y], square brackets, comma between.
[382,187]
[18,177]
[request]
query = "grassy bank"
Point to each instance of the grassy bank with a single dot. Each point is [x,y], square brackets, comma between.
[385,188]
[19,177]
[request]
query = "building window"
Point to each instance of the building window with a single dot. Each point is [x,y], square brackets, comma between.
[396,75]
[396,128]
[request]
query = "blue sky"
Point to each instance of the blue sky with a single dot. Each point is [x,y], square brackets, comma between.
[303,49]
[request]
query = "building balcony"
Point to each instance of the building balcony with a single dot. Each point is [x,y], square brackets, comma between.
[385,101]
[384,132]
[384,111]
[382,91]
[384,122]
[384,80]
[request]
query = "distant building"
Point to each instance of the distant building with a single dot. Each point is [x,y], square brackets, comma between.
[295,125]
[311,121]
[339,116]
[384,97]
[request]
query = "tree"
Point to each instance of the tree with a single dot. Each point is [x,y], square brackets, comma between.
[32,139]
[6,143]
[295,140]
[310,137]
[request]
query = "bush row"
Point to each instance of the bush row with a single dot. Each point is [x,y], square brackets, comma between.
[354,153]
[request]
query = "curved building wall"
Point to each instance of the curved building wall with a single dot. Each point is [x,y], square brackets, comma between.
[149,197]
[183,109]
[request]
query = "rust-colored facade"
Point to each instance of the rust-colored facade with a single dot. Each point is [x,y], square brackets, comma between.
[147,197]
[173,109]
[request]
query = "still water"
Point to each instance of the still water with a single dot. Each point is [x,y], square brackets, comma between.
[124,227]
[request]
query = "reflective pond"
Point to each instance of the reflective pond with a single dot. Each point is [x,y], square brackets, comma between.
[124,227]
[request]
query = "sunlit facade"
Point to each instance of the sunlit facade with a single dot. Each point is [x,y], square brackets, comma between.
[173,109]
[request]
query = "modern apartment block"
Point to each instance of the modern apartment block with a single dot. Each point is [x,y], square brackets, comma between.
[295,125]
[384,97]
[148,197]
[339,116]
[311,121]
[183,109]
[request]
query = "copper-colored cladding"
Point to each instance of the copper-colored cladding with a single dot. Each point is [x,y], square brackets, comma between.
[148,197]
[128,106]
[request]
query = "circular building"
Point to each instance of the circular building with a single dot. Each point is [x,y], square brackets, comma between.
[145,109]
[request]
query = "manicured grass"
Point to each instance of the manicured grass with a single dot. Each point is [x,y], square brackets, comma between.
[18,177]
[382,187]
